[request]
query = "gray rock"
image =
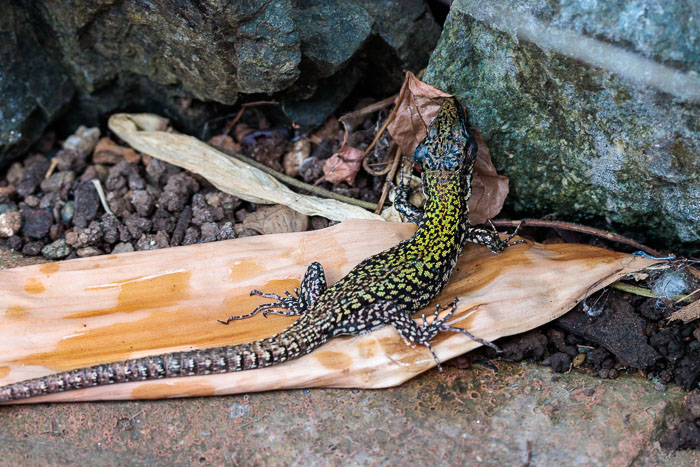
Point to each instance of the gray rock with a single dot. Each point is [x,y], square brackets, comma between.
[123,55]
[331,31]
[57,180]
[591,110]
[396,36]
[35,168]
[87,202]
[56,250]
[122,247]
[36,222]
[32,248]
[34,87]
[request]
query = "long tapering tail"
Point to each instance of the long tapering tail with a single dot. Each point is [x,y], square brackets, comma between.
[287,345]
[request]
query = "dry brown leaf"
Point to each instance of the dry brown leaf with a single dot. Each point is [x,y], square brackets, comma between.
[344,164]
[276,219]
[108,152]
[688,313]
[489,189]
[60,316]
[418,107]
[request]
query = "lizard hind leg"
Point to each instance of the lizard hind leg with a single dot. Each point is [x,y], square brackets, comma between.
[312,286]
[388,312]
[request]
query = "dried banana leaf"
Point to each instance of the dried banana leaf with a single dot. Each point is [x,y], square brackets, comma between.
[60,316]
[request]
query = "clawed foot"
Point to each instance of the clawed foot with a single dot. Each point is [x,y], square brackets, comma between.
[290,302]
[500,245]
[430,330]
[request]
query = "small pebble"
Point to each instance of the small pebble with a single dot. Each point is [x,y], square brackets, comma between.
[143,202]
[209,231]
[88,251]
[15,173]
[32,248]
[7,192]
[56,231]
[32,201]
[4,207]
[589,392]
[57,180]
[318,222]
[659,386]
[10,223]
[153,242]
[84,139]
[122,247]
[560,362]
[56,250]
[68,211]
[191,236]
[36,222]
[14,242]
[36,167]
[70,160]
[87,202]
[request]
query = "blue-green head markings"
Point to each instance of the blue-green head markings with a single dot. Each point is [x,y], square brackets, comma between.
[449,144]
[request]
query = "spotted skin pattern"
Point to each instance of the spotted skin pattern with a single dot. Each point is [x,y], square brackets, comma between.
[385,289]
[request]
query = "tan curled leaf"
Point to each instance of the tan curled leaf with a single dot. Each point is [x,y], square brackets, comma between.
[230,175]
[344,164]
[276,219]
[418,106]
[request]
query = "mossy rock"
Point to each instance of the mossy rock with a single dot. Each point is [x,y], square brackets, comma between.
[592,116]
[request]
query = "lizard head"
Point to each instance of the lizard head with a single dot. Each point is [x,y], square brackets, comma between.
[449,144]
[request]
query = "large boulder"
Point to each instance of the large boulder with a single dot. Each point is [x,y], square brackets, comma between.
[591,109]
[166,56]
[34,87]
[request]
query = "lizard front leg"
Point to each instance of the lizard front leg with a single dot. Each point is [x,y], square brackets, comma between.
[401,204]
[490,238]
[312,286]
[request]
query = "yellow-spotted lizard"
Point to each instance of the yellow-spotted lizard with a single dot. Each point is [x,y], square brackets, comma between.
[385,289]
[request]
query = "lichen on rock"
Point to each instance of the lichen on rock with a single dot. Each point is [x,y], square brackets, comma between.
[582,109]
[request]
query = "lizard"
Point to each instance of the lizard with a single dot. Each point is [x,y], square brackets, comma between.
[384,289]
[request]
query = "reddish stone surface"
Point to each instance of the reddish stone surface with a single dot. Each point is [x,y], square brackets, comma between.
[497,414]
[502,416]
